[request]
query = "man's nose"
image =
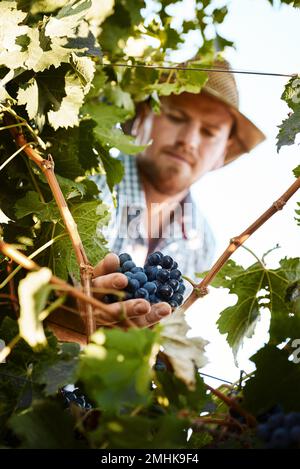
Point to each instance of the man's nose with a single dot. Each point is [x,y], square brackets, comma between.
[189,136]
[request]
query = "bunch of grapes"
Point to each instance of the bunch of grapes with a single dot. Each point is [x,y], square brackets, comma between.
[280,430]
[76,397]
[159,280]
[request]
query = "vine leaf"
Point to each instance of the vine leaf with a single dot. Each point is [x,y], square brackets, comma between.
[67,113]
[63,371]
[115,367]
[184,353]
[45,426]
[31,203]
[290,127]
[258,288]
[28,95]
[113,167]
[90,218]
[276,381]
[296,171]
[33,292]
[107,116]
[67,19]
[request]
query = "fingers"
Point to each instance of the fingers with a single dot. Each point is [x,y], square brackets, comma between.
[157,312]
[115,281]
[109,264]
[116,312]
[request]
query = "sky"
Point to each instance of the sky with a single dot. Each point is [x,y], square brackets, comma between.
[267,39]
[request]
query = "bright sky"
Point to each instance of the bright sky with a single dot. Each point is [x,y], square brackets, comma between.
[267,39]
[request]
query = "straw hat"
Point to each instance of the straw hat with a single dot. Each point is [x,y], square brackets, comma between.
[222,86]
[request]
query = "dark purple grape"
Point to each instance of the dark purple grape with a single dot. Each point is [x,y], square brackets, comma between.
[128,265]
[154,258]
[263,432]
[141,277]
[124,257]
[292,419]
[176,274]
[178,298]
[153,299]
[137,269]
[165,292]
[167,262]
[151,272]
[175,265]
[173,304]
[181,288]
[142,293]
[276,420]
[133,285]
[295,434]
[151,287]
[163,275]
[174,284]
[279,439]
[128,274]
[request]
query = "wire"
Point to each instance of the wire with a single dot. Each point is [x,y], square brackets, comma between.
[200,69]
[214,377]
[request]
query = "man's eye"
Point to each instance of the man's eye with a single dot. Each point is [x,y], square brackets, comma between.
[208,132]
[175,118]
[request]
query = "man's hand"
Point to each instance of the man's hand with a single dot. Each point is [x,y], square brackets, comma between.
[138,311]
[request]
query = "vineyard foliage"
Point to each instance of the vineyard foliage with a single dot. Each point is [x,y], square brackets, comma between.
[64,85]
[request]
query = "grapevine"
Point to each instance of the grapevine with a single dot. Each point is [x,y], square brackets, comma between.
[68,86]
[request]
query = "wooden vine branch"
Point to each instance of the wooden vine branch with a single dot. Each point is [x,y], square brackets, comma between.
[47,167]
[235,242]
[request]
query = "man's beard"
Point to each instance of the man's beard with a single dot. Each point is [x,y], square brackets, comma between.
[169,180]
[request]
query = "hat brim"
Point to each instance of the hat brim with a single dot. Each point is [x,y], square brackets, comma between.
[246,135]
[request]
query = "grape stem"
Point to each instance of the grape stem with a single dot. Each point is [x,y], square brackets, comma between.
[235,242]
[230,402]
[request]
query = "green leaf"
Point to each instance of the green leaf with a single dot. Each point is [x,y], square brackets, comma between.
[178,394]
[45,426]
[107,116]
[84,68]
[115,367]
[33,292]
[67,113]
[258,288]
[276,381]
[296,171]
[73,150]
[31,203]
[289,129]
[113,167]
[62,372]
[90,217]
[139,431]
[28,95]
[185,354]
[180,81]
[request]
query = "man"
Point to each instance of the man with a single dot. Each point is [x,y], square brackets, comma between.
[193,134]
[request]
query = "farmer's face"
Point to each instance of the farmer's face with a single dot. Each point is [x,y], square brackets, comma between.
[190,137]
